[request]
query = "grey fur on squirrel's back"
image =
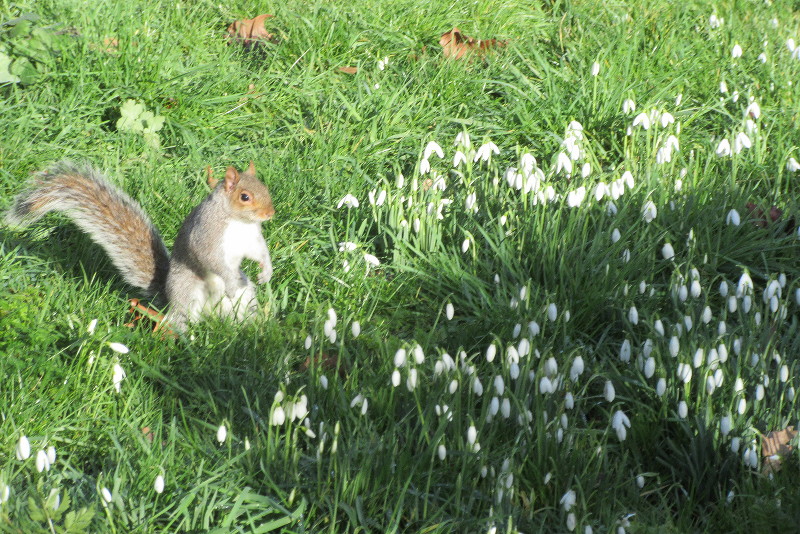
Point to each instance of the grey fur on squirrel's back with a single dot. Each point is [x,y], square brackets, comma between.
[108,215]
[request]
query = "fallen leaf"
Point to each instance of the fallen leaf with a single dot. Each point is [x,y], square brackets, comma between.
[250,32]
[456,45]
[348,70]
[328,362]
[774,215]
[775,447]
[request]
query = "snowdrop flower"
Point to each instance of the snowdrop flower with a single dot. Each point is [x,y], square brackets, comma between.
[563,163]
[633,315]
[552,311]
[684,373]
[649,367]
[459,158]
[667,119]
[661,387]
[477,387]
[615,235]
[371,260]
[736,52]
[595,68]
[158,485]
[465,245]
[723,148]
[649,211]
[744,286]
[643,120]
[432,148]
[714,21]
[348,200]
[117,377]
[222,433]
[568,500]
[625,351]
[51,453]
[106,494]
[628,106]
[586,170]
[546,386]
[577,368]
[347,246]
[395,378]
[356,329]
[658,326]
[618,422]
[753,110]
[424,167]
[411,381]
[400,358]
[741,142]
[667,252]
[627,178]
[792,165]
[683,409]
[725,425]
[491,351]
[91,327]
[734,219]
[118,347]
[42,463]
[608,391]
[485,152]
[449,311]
[575,198]
[723,87]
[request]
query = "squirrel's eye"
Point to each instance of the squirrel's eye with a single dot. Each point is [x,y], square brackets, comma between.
[245,197]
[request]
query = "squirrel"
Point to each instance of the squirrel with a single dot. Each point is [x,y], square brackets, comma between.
[203,275]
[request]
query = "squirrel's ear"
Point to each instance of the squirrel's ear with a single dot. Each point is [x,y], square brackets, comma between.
[231,179]
[210,180]
[252,168]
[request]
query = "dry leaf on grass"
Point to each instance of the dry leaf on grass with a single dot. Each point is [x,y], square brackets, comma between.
[348,70]
[456,45]
[776,446]
[250,32]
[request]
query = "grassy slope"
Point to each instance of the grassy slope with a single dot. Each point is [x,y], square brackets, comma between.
[316,134]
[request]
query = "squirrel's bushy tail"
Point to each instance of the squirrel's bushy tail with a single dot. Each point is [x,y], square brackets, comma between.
[110,217]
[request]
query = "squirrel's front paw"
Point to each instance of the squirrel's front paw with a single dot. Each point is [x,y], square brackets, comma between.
[265,275]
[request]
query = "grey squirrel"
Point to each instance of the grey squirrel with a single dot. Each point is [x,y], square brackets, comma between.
[203,275]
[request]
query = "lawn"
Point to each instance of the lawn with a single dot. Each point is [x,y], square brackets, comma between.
[551,285]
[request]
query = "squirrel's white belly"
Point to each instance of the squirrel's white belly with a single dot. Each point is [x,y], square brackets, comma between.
[240,240]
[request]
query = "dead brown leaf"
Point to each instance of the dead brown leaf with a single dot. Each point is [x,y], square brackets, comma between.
[250,32]
[456,45]
[775,447]
[348,70]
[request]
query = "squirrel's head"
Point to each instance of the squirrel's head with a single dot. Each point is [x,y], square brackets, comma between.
[248,196]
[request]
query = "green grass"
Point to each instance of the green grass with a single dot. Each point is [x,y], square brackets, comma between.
[317,134]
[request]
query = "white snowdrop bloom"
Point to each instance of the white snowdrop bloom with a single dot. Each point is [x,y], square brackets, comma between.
[695,289]
[533,327]
[348,201]
[118,375]
[42,463]
[395,378]
[674,346]
[416,225]
[723,148]
[277,417]
[633,315]
[107,497]
[711,385]
[453,387]
[735,442]
[658,326]
[741,406]
[618,422]
[661,387]
[706,317]
[753,110]
[568,500]
[735,96]
[627,179]
[615,235]
[323,381]
[449,311]
[725,425]
[792,165]
[667,252]
[586,170]
[491,351]
[577,368]
[595,72]
[782,280]
[569,401]
[575,198]
[222,433]
[740,142]
[699,358]
[649,211]
[400,357]
[732,304]
[158,485]
[505,408]
[649,367]
[723,288]
[552,311]
[733,218]
[667,119]
[90,329]
[628,106]
[459,158]
[411,380]
[714,21]
[462,138]
[485,152]
[465,246]
[356,329]
[609,392]
[527,163]
[762,57]
[371,260]
[563,163]
[643,120]
[551,367]
[524,347]
[790,44]
[472,435]
[118,347]
[684,373]
[784,373]
[347,246]
[625,351]
[424,168]
[432,148]
[477,387]
[683,409]
[688,323]
[759,392]
[546,386]
[499,385]
[51,454]
[736,52]
[723,87]
[744,286]
[419,355]
[747,302]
